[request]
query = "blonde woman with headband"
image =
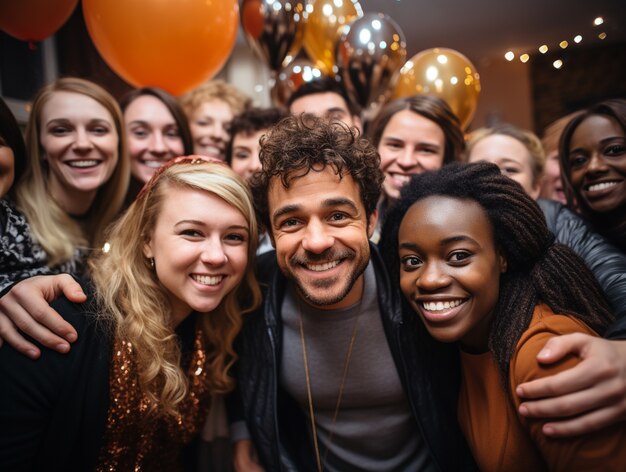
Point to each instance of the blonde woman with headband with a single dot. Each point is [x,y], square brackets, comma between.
[74,182]
[155,336]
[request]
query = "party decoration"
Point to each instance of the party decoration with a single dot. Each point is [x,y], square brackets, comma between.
[299,72]
[325,24]
[370,53]
[274,29]
[445,73]
[167,44]
[34,20]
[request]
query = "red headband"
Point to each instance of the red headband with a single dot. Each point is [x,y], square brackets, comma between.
[192,159]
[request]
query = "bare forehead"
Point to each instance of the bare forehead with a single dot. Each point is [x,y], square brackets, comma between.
[451,212]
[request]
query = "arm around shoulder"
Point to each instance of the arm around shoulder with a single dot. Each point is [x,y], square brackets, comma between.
[578,452]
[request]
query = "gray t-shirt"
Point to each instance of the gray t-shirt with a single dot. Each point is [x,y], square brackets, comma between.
[375,429]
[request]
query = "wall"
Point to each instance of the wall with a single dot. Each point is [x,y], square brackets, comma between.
[588,75]
[506,94]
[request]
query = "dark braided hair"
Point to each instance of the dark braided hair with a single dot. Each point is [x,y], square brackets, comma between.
[538,269]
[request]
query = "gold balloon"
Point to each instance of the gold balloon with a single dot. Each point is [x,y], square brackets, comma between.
[325,23]
[288,80]
[444,73]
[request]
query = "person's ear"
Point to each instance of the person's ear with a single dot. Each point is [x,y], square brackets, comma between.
[371,224]
[535,190]
[503,263]
[356,119]
[147,249]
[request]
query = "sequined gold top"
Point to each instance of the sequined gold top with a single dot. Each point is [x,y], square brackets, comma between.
[138,439]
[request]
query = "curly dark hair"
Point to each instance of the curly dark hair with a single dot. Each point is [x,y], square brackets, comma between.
[251,121]
[431,108]
[298,144]
[538,268]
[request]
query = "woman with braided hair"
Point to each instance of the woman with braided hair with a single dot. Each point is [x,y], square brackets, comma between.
[474,259]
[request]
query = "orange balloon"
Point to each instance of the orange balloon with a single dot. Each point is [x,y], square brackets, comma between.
[324,26]
[174,45]
[34,20]
[445,73]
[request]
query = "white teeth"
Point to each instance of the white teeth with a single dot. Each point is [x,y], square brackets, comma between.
[439,306]
[81,164]
[322,267]
[212,151]
[208,279]
[601,186]
[153,164]
[401,179]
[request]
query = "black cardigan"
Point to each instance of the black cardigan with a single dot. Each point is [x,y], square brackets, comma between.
[53,411]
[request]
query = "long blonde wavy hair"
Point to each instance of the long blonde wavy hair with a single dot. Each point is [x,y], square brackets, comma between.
[56,231]
[136,304]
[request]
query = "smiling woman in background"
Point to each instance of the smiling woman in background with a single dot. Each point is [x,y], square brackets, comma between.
[210,108]
[156,130]
[593,163]
[413,135]
[74,183]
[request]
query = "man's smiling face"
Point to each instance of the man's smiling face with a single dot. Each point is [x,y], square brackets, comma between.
[321,234]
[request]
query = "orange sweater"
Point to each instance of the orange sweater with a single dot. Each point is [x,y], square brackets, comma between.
[500,439]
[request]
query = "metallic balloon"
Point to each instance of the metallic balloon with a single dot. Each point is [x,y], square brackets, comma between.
[274,29]
[325,23]
[445,73]
[299,72]
[370,53]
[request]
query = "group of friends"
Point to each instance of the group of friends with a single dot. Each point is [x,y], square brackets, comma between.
[395,298]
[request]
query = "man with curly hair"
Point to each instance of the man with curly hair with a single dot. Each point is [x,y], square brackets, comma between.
[327,374]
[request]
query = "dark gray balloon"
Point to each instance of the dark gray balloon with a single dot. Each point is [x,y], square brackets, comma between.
[274,29]
[369,55]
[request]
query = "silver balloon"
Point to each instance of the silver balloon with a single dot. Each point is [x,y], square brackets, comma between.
[369,55]
[274,29]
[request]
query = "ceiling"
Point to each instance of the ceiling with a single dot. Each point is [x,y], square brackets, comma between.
[486,29]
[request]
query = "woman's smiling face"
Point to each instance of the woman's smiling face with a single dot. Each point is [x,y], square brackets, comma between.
[597,159]
[410,144]
[450,268]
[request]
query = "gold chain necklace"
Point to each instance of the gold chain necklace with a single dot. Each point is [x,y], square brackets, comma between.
[321,463]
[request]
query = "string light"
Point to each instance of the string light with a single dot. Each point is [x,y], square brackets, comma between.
[543,49]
